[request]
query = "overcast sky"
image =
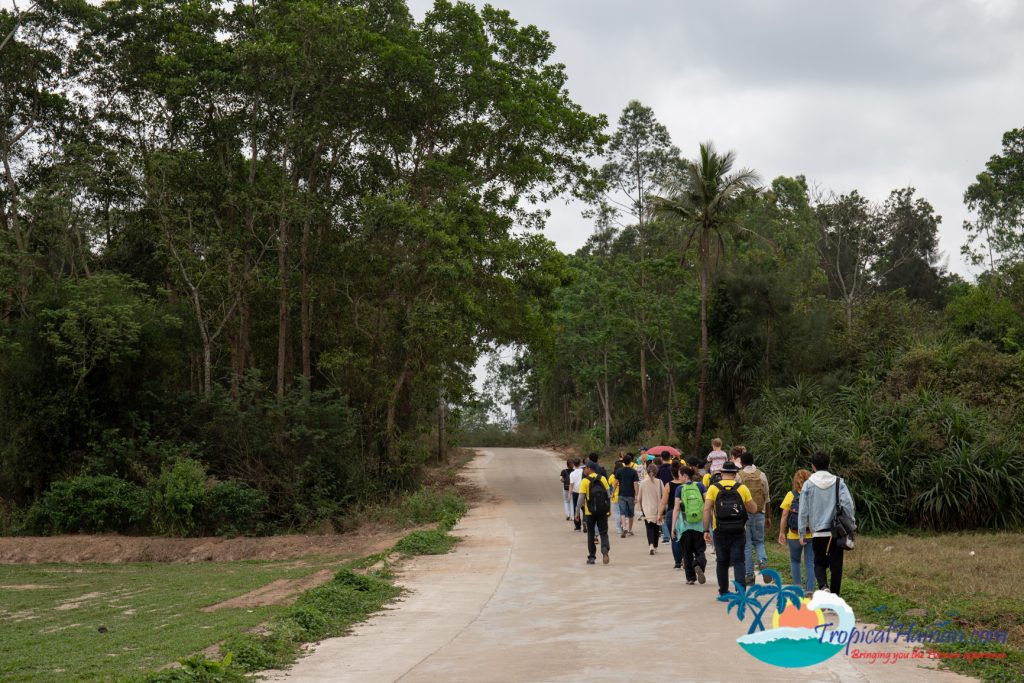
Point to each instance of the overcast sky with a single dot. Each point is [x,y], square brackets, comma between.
[854,94]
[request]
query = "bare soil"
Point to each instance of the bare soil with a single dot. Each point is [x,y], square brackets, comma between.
[114,548]
[280,592]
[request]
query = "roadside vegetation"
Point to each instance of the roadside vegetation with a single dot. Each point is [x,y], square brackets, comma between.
[946,580]
[106,621]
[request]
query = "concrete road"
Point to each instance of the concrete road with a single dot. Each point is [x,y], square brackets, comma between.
[517,602]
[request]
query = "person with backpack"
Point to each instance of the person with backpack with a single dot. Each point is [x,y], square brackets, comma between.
[648,500]
[788,526]
[629,485]
[757,483]
[595,503]
[668,501]
[823,500]
[726,507]
[687,525]
[566,496]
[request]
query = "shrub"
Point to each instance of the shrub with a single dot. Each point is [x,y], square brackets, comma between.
[426,542]
[178,498]
[87,504]
[235,508]
[429,506]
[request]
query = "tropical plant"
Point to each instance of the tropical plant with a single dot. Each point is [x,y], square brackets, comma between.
[703,200]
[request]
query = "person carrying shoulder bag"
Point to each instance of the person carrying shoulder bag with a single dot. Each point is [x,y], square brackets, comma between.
[827,510]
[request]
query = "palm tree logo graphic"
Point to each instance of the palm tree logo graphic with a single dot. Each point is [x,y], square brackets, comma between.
[798,635]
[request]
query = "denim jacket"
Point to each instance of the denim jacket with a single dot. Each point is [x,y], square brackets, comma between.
[818,502]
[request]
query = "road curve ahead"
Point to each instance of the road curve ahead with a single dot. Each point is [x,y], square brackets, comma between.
[517,602]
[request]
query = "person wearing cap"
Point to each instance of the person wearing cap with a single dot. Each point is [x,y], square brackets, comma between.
[594,523]
[730,539]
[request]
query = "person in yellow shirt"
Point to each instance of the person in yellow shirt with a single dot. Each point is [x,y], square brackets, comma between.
[614,484]
[790,536]
[592,500]
[726,507]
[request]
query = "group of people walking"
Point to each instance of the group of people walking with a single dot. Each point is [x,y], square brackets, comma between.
[722,502]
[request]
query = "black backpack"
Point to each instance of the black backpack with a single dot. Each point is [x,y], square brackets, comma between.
[599,502]
[793,521]
[730,513]
[716,477]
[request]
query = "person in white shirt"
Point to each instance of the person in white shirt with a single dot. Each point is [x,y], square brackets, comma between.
[574,490]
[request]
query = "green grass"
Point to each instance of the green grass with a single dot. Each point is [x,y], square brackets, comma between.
[920,580]
[108,622]
[426,542]
[150,613]
[323,612]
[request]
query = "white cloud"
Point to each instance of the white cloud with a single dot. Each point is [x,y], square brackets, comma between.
[871,95]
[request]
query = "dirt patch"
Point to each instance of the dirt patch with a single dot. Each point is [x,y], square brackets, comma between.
[75,603]
[25,587]
[280,592]
[115,548]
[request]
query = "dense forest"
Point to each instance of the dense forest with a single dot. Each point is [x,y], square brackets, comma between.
[250,252]
[710,302]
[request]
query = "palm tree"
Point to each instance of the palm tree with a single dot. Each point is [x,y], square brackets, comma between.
[743,599]
[776,593]
[704,199]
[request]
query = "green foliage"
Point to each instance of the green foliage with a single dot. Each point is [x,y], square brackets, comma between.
[288,269]
[430,506]
[178,498]
[199,669]
[426,542]
[323,612]
[235,508]
[921,460]
[87,504]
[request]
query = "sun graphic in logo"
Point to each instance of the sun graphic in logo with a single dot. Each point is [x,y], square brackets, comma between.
[798,617]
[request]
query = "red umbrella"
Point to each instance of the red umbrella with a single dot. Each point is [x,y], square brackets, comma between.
[658,450]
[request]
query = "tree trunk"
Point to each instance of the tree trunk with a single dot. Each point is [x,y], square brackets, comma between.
[607,407]
[391,424]
[643,382]
[283,317]
[671,402]
[703,381]
[306,311]
[442,436]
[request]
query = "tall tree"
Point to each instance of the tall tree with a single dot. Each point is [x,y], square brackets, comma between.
[996,235]
[640,157]
[704,200]
[909,257]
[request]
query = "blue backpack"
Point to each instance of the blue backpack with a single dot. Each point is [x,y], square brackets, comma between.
[793,521]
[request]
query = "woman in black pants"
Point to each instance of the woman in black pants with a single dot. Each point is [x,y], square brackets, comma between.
[652,490]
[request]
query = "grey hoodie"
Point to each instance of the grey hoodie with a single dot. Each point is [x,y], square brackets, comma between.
[818,502]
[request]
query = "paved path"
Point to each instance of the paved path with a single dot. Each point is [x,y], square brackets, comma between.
[516,602]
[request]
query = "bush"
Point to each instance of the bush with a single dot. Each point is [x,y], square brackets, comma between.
[235,508]
[429,506]
[178,498]
[426,542]
[88,504]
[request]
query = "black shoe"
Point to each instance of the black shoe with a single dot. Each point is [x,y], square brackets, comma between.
[604,556]
[678,566]
[591,560]
[700,576]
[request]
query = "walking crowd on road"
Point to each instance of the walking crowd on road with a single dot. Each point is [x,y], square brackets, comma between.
[723,503]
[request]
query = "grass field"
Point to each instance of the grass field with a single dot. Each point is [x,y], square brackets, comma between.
[96,622]
[929,579]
